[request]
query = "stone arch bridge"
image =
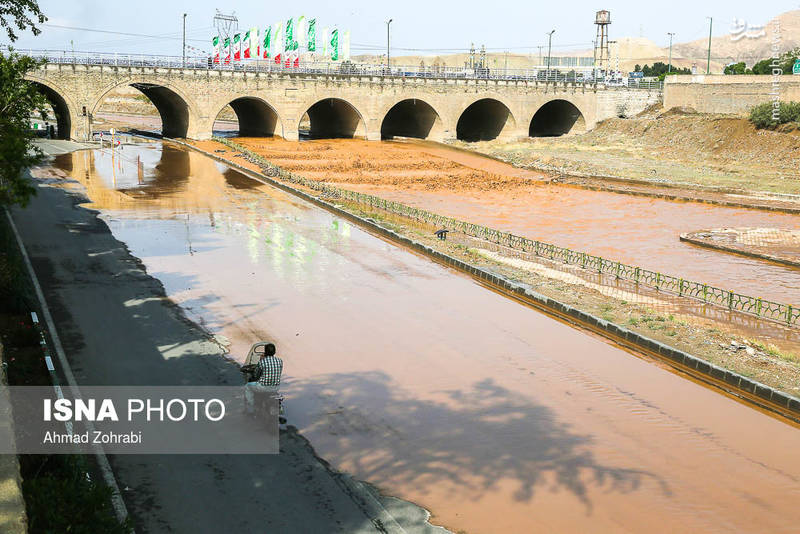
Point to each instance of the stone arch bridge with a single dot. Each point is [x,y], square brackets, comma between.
[326,105]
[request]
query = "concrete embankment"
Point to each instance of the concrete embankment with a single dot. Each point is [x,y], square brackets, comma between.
[771,244]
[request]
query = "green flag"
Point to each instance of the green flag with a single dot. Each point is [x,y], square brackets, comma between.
[268,43]
[289,38]
[312,35]
[335,45]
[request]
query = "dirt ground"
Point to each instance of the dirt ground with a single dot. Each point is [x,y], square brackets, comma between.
[398,164]
[765,351]
[667,148]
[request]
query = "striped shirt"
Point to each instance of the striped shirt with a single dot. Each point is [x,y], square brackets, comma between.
[268,371]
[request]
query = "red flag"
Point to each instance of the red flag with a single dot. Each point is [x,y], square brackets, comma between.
[278,59]
[297,62]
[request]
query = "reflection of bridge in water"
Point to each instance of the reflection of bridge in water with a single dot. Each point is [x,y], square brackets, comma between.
[336,104]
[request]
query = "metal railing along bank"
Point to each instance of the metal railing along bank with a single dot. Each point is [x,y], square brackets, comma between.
[575,75]
[731,300]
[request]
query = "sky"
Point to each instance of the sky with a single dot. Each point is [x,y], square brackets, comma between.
[419,27]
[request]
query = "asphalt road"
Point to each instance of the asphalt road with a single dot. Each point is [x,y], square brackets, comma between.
[118,328]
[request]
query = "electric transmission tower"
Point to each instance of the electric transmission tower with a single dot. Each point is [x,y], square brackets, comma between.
[226,24]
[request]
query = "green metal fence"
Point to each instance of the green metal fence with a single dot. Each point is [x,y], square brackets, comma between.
[661,282]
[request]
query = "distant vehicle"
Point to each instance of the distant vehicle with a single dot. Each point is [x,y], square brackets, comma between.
[636,74]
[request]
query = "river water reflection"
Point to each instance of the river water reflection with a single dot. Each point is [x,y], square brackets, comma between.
[419,380]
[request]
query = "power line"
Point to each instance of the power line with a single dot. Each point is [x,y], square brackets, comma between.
[127,40]
[364,46]
[119,33]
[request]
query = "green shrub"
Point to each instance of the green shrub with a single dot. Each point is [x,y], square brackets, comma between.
[60,498]
[762,115]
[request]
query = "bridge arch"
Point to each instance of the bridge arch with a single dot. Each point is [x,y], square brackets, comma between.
[557,117]
[332,118]
[484,120]
[412,117]
[256,117]
[179,117]
[65,110]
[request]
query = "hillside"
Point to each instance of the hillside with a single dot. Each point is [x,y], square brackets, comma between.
[750,50]
[639,50]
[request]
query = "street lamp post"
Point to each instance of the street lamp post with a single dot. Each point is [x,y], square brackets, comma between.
[710,25]
[549,49]
[669,66]
[388,47]
[184,40]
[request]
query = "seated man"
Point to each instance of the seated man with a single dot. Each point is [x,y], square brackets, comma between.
[266,378]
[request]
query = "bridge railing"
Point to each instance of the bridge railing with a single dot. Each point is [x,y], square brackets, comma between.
[756,306]
[578,75]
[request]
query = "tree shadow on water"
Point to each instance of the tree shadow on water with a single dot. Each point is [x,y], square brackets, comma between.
[471,438]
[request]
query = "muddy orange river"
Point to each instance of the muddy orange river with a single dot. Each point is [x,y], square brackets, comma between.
[635,230]
[417,379]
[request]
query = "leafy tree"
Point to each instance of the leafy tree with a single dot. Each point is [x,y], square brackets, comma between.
[763,67]
[19,100]
[785,62]
[735,68]
[20,14]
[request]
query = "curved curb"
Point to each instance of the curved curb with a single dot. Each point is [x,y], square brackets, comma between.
[769,257]
[678,198]
[738,385]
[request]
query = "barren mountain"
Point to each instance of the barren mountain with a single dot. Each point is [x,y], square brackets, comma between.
[749,41]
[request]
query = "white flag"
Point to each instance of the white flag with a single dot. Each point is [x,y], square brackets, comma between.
[255,44]
[278,41]
[302,34]
[345,46]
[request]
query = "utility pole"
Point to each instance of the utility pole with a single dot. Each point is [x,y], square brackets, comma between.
[669,66]
[388,57]
[184,40]
[710,25]
[549,49]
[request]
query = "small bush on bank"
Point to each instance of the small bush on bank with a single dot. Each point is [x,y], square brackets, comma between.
[762,115]
[59,497]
